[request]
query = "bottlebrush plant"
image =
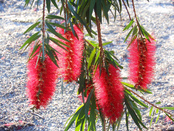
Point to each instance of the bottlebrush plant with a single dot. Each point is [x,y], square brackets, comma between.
[109,92]
[70,61]
[106,98]
[42,77]
[142,62]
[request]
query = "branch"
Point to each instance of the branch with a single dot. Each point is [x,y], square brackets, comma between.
[149,102]
[127,9]
[43,29]
[99,38]
[136,18]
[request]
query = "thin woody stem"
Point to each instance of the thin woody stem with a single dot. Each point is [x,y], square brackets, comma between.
[136,18]
[43,29]
[99,38]
[149,102]
[127,9]
[65,13]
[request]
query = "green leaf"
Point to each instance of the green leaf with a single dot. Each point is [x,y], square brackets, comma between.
[97,56]
[157,118]
[57,25]
[51,55]
[127,2]
[54,17]
[56,42]
[98,9]
[133,115]
[54,32]
[91,57]
[107,43]
[150,112]
[32,38]
[48,5]
[168,108]
[127,122]
[34,50]
[32,27]
[27,2]
[157,110]
[158,102]
[152,118]
[93,43]
[136,99]
[128,35]
[170,117]
[54,3]
[129,25]
[80,119]
[91,7]
[74,117]
[92,118]
[75,14]
[87,104]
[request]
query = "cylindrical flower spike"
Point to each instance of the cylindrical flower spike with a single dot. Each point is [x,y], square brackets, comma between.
[142,62]
[41,81]
[109,92]
[70,61]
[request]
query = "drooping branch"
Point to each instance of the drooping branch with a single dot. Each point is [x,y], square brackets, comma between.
[149,102]
[127,9]
[99,38]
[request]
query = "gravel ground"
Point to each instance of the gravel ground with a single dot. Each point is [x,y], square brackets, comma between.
[156,16]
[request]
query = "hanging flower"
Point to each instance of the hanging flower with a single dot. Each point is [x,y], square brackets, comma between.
[142,62]
[70,61]
[109,92]
[41,80]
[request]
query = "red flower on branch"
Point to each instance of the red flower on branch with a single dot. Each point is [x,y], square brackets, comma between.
[41,80]
[70,61]
[109,92]
[142,62]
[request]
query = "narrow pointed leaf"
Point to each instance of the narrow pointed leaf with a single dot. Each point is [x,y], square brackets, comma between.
[54,32]
[48,5]
[32,27]
[54,3]
[54,17]
[129,25]
[32,38]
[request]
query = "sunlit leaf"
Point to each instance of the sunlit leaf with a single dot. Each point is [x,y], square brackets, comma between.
[54,17]
[32,38]
[129,25]
[32,27]
[74,117]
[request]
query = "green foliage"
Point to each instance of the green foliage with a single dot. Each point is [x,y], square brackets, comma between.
[81,12]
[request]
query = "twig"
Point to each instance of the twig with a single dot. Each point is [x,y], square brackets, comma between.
[43,29]
[36,115]
[149,102]
[136,18]
[127,9]
[99,38]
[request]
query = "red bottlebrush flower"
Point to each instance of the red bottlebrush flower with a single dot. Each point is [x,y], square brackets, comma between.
[41,81]
[70,61]
[142,62]
[109,92]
